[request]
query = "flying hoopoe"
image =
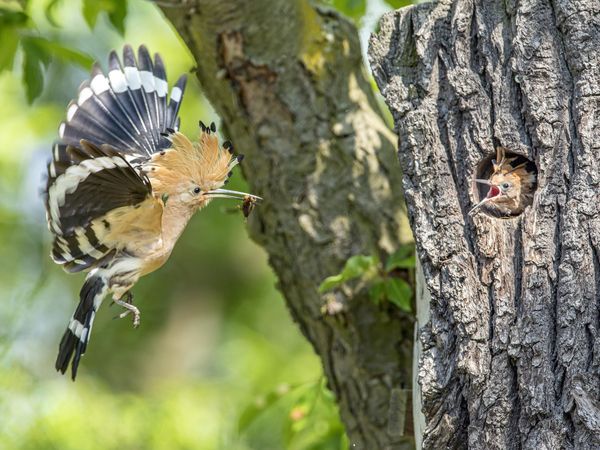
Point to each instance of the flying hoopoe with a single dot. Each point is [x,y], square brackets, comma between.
[512,184]
[123,184]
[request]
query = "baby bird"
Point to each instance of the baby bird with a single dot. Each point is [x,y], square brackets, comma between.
[123,184]
[511,186]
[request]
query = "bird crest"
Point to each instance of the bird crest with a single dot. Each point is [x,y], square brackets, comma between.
[512,183]
[204,163]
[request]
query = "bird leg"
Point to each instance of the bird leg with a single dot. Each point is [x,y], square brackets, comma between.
[129,308]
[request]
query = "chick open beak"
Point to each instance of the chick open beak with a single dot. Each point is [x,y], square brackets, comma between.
[493,192]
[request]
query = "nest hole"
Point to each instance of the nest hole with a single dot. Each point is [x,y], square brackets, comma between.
[484,171]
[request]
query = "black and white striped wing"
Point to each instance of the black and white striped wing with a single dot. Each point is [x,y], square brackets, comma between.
[85,184]
[128,108]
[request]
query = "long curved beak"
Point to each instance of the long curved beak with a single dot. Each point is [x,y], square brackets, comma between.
[478,205]
[226,193]
[478,180]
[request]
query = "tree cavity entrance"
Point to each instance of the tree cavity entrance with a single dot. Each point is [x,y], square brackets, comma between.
[504,184]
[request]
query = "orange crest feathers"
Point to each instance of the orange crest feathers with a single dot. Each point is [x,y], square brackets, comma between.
[503,166]
[204,163]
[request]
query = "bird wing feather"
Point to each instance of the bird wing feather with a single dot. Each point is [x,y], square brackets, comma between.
[96,202]
[127,108]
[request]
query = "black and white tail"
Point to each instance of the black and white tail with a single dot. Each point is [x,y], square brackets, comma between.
[74,341]
[126,109]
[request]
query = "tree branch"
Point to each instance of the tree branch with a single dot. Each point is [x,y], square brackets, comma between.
[288,81]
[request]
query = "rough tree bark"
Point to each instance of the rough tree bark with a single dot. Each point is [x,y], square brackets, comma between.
[511,353]
[288,81]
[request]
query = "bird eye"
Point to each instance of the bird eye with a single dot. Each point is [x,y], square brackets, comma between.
[197,190]
[505,185]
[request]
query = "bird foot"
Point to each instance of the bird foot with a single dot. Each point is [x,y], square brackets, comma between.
[129,309]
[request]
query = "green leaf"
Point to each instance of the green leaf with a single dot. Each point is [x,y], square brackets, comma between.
[117,15]
[260,405]
[313,421]
[377,291]
[11,20]
[49,12]
[403,258]
[34,58]
[399,293]
[63,52]
[34,46]
[116,10]
[252,411]
[355,267]
[400,263]
[358,265]
[39,52]
[9,40]
[395,4]
[33,76]
[12,17]
[90,11]
[331,282]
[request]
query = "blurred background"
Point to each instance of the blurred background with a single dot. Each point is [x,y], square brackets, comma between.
[217,362]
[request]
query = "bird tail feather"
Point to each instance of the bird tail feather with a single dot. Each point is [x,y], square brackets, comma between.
[74,341]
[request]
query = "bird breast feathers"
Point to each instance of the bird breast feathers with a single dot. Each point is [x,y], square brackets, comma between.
[131,227]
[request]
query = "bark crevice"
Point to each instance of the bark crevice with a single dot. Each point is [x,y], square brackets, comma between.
[514,303]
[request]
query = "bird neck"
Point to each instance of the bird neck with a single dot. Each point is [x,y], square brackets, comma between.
[176,213]
[175,217]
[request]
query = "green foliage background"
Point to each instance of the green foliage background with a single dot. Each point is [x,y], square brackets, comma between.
[217,362]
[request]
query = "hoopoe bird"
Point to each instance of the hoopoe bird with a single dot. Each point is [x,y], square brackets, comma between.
[512,184]
[123,184]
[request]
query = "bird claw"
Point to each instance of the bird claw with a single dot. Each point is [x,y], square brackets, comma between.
[128,299]
[129,309]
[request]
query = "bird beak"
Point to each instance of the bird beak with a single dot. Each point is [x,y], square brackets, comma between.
[494,191]
[485,200]
[226,193]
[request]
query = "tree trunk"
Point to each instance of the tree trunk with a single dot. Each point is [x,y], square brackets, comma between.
[288,81]
[511,350]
